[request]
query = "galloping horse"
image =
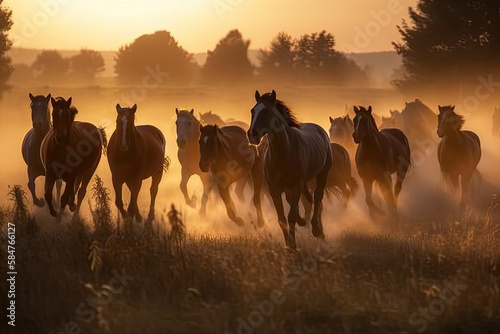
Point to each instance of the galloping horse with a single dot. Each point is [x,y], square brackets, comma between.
[227,155]
[188,134]
[340,174]
[459,152]
[418,121]
[393,121]
[295,154]
[135,153]
[341,129]
[212,118]
[495,130]
[379,155]
[70,151]
[40,117]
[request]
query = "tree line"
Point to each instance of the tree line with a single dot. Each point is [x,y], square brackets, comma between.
[444,44]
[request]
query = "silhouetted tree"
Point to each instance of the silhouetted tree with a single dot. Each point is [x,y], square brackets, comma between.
[228,62]
[279,60]
[157,55]
[5,44]
[86,64]
[450,41]
[316,60]
[50,66]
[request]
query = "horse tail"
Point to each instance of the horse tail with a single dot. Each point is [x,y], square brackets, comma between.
[104,139]
[166,163]
[333,190]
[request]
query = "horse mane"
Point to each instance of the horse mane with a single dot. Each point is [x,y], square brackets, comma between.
[211,117]
[285,111]
[72,108]
[372,119]
[187,113]
[457,119]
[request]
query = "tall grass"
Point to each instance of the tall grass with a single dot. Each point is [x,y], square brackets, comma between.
[357,283]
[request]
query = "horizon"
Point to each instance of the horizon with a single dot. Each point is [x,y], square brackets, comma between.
[371,27]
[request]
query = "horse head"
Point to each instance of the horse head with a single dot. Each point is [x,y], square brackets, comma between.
[63,116]
[209,142]
[125,120]
[364,123]
[448,121]
[40,113]
[187,127]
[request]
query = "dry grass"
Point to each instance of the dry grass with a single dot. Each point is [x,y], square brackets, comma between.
[358,283]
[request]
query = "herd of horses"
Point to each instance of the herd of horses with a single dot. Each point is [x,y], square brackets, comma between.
[276,154]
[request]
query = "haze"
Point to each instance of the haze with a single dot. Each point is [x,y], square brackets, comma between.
[199,24]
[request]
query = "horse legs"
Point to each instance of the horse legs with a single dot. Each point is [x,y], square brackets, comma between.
[465,180]
[185,175]
[58,191]
[257,188]
[293,198]
[32,175]
[71,203]
[118,185]
[368,185]
[50,179]
[399,182]
[346,194]
[155,181]
[82,189]
[208,185]
[69,192]
[228,202]
[307,200]
[278,205]
[133,209]
[240,188]
[317,226]
[386,187]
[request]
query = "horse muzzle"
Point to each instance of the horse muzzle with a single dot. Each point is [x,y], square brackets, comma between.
[356,138]
[181,143]
[204,166]
[440,133]
[253,138]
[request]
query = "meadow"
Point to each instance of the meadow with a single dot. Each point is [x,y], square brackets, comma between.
[430,271]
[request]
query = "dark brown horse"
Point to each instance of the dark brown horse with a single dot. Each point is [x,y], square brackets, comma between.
[295,154]
[379,155]
[70,151]
[188,153]
[459,151]
[418,121]
[227,155]
[340,175]
[40,117]
[135,153]
[341,129]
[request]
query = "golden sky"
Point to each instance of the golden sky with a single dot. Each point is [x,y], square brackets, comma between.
[358,25]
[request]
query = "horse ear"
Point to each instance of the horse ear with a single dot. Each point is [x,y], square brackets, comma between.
[331,119]
[68,103]
[53,101]
[31,97]
[192,112]
[201,127]
[257,96]
[273,96]
[356,109]
[134,108]
[453,108]
[440,109]
[118,107]
[406,104]
[176,111]
[48,97]
[370,109]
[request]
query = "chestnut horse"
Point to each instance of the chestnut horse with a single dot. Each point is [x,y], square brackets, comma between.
[135,153]
[40,117]
[70,151]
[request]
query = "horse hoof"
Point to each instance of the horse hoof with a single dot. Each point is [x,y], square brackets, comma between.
[39,202]
[192,202]
[72,207]
[318,233]
[53,213]
[291,244]
[301,222]
[239,221]
[138,218]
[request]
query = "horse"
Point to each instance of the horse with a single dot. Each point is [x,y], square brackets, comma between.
[418,121]
[70,151]
[495,130]
[135,153]
[379,155]
[340,176]
[393,121]
[212,118]
[188,153]
[459,151]
[295,154]
[40,118]
[341,129]
[227,155]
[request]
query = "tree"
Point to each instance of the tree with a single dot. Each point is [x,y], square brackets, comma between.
[50,66]
[450,43]
[157,53]
[228,62]
[86,64]
[279,60]
[5,45]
